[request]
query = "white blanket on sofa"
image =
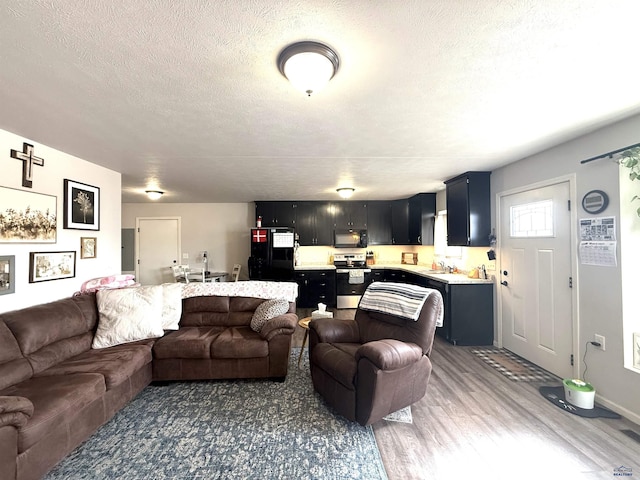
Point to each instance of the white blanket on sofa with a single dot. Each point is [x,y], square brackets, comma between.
[252,288]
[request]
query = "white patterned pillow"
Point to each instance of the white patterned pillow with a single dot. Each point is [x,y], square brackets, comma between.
[268,310]
[171,305]
[128,315]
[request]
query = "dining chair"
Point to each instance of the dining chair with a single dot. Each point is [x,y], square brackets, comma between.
[235,273]
[180,273]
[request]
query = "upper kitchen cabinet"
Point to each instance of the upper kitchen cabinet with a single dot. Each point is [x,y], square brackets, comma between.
[422,216]
[277,214]
[400,222]
[379,222]
[348,215]
[469,210]
[314,223]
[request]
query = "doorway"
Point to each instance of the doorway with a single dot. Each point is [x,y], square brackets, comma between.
[536,307]
[157,248]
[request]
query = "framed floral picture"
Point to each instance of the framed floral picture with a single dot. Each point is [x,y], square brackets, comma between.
[44,266]
[88,246]
[27,217]
[81,206]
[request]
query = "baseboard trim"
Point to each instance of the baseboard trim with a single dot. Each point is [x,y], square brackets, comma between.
[628,414]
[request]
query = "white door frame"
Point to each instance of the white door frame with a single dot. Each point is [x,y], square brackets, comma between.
[574,259]
[137,239]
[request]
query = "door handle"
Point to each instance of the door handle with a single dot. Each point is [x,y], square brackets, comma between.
[505,283]
[505,273]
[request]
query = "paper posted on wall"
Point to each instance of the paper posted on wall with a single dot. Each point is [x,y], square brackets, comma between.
[598,229]
[598,241]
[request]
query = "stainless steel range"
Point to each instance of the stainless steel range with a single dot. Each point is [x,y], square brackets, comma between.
[352,278]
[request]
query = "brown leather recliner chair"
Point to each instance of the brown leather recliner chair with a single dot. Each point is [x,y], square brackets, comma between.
[373,366]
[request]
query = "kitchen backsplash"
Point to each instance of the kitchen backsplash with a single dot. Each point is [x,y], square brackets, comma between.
[390,254]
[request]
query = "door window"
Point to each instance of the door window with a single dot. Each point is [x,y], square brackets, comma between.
[533,219]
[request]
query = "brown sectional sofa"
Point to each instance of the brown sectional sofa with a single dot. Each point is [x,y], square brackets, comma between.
[55,390]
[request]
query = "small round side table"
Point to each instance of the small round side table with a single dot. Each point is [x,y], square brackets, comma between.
[304,323]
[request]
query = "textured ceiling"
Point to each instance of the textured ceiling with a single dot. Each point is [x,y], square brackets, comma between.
[186,96]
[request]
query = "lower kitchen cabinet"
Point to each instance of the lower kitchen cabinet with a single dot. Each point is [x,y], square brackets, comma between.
[377,275]
[468,312]
[316,286]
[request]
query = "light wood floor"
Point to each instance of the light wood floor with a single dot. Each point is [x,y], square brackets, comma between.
[475,423]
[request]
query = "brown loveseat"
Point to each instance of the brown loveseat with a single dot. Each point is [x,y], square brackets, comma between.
[55,390]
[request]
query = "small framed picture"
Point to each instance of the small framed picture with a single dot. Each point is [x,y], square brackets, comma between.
[636,350]
[81,206]
[44,266]
[7,274]
[88,246]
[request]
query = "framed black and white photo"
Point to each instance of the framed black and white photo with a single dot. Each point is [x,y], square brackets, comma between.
[44,266]
[27,217]
[88,247]
[7,274]
[81,206]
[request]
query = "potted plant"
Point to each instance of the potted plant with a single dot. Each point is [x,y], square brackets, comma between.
[631,159]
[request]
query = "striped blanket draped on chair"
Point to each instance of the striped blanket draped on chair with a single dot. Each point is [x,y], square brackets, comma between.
[399,299]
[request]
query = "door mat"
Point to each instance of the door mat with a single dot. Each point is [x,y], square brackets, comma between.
[512,366]
[556,396]
[403,416]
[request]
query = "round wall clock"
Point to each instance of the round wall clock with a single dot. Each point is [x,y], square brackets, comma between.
[595,201]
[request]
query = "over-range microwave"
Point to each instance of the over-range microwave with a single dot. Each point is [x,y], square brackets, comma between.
[350,238]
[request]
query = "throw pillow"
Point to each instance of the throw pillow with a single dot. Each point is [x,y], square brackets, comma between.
[266,311]
[128,315]
[171,305]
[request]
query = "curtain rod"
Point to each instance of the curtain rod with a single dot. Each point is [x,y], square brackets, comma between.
[610,154]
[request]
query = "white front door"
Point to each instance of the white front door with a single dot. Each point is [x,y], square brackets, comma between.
[535,276]
[157,248]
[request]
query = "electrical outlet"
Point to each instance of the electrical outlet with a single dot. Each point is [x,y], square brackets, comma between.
[185,256]
[600,340]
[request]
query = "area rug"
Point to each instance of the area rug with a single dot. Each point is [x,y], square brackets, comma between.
[556,396]
[403,416]
[242,429]
[512,366]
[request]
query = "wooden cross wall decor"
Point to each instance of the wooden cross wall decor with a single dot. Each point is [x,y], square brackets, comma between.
[29,160]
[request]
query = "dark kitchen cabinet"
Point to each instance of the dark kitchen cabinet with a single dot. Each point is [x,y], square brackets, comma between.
[316,286]
[379,222]
[377,275]
[314,223]
[400,222]
[277,214]
[469,210]
[348,215]
[422,217]
[401,276]
[468,312]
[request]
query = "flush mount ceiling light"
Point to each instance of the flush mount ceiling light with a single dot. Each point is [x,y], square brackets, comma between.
[308,65]
[345,192]
[154,194]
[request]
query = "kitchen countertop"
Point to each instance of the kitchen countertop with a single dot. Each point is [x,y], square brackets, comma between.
[421,270]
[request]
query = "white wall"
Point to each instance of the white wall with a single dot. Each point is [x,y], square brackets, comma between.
[222,229]
[630,236]
[48,179]
[599,288]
